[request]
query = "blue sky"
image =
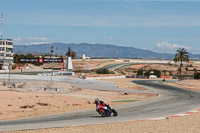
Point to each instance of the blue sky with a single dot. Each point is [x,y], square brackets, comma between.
[161,26]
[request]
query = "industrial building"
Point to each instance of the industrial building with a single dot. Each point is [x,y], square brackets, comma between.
[6,49]
[6,52]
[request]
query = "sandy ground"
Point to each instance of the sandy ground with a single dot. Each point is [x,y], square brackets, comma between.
[165,68]
[125,83]
[188,84]
[185,124]
[32,100]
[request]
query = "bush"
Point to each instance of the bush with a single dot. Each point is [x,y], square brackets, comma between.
[196,75]
[14,66]
[140,72]
[170,73]
[104,71]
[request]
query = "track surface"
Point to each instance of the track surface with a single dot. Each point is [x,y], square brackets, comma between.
[172,100]
[117,66]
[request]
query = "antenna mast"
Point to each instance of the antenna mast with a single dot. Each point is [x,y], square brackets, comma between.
[1,25]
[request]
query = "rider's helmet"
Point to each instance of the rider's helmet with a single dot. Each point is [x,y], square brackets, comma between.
[96,101]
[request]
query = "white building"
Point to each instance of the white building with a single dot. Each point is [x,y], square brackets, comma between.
[6,52]
[85,57]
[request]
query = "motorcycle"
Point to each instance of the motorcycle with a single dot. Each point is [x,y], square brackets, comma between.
[105,110]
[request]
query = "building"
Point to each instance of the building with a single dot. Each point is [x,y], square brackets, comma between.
[6,52]
[85,57]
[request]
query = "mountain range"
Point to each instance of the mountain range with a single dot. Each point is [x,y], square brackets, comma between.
[95,50]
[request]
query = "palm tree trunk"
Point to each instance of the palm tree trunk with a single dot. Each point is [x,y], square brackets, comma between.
[180,77]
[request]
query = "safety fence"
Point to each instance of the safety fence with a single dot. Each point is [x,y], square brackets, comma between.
[108,77]
[163,77]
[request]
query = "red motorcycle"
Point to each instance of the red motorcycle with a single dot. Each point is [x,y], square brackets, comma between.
[104,110]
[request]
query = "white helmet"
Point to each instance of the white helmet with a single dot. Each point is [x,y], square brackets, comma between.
[96,101]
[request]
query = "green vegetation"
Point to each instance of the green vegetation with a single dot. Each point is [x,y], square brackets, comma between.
[73,54]
[160,82]
[164,71]
[104,71]
[125,101]
[129,65]
[28,74]
[140,72]
[181,56]
[196,75]
[106,65]
[166,81]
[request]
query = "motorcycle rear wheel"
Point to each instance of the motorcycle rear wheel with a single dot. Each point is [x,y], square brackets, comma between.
[114,112]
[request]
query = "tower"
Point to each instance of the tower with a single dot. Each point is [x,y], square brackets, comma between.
[69,60]
[6,49]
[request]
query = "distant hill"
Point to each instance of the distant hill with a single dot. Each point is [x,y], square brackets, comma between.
[95,50]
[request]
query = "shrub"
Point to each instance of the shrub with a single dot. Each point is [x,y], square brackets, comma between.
[196,75]
[104,71]
[140,72]
[14,66]
[170,73]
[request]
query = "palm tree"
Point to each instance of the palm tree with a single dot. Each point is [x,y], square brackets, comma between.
[164,71]
[186,69]
[180,56]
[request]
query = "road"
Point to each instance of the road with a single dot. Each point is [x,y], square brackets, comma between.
[117,66]
[172,100]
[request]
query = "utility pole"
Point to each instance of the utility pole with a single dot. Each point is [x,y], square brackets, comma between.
[25,50]
[50,86]
[52,52]
[1,25]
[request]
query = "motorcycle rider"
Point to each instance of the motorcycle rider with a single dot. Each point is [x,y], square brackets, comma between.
[97,102]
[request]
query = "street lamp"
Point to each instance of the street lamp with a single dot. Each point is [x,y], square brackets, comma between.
[52,52]
[9,67]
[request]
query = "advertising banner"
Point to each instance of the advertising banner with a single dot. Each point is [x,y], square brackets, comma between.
[41,60]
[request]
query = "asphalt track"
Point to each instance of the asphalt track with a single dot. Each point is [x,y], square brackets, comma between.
[172,100]
[117,66]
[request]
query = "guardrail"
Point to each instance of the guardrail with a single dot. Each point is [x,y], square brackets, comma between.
[108,77]
[164,77]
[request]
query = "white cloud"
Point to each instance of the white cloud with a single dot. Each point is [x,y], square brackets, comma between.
[32,40]
[171,46]
[36,43]
[38,38]
[111,38]
[165,47]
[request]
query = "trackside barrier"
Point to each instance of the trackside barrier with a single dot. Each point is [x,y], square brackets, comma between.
[136,76]
[167,77]
[109,77]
